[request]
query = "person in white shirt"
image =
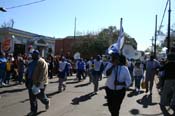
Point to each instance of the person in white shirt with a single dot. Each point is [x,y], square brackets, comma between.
[97,72]
[151,67]
[62,74]
[138,75]
[118,80]
[90,69]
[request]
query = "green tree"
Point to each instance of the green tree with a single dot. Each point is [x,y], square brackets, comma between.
[91,45]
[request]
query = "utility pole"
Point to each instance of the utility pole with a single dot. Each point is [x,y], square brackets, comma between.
[152,40]
[155,38]
[75,24]
[169,28]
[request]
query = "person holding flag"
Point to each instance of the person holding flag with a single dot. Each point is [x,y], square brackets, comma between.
[118,75]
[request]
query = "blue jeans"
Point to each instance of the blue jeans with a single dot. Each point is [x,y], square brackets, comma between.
[95,79]
[2,76]
[20,77]
[33,99]
[137,81]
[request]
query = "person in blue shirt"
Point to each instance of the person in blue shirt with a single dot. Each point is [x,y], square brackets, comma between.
[81,69]
[3,62]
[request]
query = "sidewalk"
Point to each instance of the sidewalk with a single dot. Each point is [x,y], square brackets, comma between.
[142,104]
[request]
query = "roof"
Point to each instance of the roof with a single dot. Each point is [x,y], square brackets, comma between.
[21,32]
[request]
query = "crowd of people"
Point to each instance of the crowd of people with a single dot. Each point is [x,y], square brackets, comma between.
[121,73]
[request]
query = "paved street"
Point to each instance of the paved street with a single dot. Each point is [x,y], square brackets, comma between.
[77,100]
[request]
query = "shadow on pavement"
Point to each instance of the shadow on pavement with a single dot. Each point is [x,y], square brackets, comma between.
[134,93]
[146,101]
[134,111]
[70,79]
[10,85]
[137,112]
[38,113]
[105,104]
[130,89]
[82,85]
[74,82]
[53,93]
[23,101]
[53,82]
[101,88]
[83,98]
[13,90]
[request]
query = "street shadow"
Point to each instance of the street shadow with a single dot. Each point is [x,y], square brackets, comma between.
[83,98]
[73,82]
[82,85]
[70,79]
[134,93]
[130,89]
[146,101]
[137,113]
[38,113]
[101,88]
[23,101]
[13,91]
[105,104]
[9,85]
[52,94]
[53,82]
[134,111]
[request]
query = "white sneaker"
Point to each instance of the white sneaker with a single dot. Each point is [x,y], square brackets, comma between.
[3,84]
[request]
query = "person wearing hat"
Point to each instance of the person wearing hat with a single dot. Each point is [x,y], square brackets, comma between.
[37,77]
[118,79]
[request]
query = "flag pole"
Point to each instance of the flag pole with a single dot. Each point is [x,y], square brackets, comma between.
[75,25]
[121,22]
[121,26]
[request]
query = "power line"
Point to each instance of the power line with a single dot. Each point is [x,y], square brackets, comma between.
[31,3]
[163,17]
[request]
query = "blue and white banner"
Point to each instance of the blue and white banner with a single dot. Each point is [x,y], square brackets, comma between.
[116,47]
[121,38]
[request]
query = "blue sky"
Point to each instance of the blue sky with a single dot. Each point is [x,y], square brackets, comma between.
[55,18]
